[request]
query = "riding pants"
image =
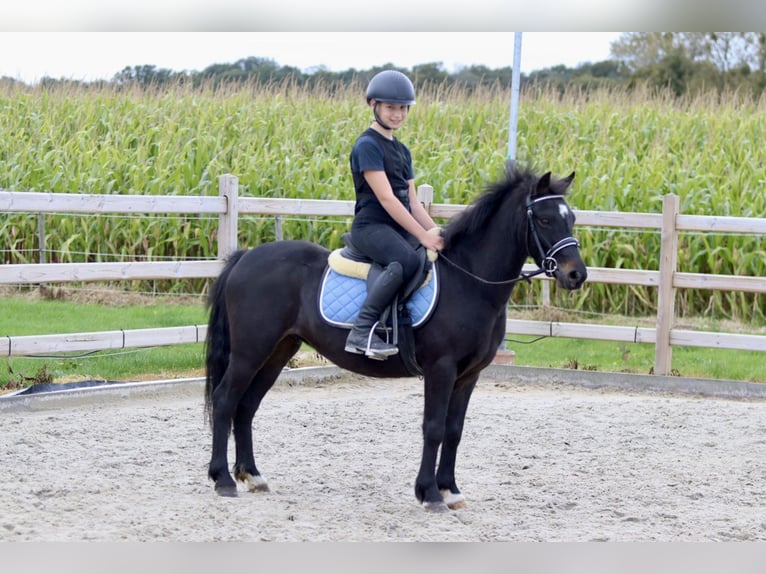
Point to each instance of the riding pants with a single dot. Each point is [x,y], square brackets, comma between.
[384,244]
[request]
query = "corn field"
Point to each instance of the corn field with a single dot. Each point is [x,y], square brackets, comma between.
[281,140]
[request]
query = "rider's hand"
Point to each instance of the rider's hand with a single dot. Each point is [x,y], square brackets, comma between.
[432,240]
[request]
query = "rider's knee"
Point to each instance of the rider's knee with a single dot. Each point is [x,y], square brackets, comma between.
[395,269]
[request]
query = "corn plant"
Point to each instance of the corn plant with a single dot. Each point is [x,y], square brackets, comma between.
[283,140]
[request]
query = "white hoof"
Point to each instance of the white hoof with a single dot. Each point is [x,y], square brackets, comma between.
[453,501]
[255,483]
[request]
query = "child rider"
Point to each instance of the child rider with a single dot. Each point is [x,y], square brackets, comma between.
[389,222]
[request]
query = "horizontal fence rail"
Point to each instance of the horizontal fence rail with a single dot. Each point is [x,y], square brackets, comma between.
[229,207]
[101,340]
[69,272]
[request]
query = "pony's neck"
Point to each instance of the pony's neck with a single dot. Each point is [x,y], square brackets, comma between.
[496,254]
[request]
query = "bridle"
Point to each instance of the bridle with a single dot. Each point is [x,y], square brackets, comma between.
[550,265]
[548,258]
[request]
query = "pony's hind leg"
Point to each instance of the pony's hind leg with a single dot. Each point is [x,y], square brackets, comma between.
[223,406]
[227,397]
[245,469]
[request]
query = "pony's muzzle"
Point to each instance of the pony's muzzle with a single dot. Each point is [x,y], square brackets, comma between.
[571,275]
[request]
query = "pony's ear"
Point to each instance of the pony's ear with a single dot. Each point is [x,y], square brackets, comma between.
[563,184]
[543,184]
[560,186]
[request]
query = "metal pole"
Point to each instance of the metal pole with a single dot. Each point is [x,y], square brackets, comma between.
[513,127]
[515,81]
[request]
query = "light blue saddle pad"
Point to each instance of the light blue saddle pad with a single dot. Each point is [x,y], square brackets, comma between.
[341,297]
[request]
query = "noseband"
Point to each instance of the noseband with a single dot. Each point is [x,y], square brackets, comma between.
[548,258]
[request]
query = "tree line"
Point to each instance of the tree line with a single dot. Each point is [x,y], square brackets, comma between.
[685,63]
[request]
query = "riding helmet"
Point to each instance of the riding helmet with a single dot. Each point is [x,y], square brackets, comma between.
[391,86]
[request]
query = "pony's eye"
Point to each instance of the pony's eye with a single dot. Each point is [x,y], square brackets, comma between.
[545,221]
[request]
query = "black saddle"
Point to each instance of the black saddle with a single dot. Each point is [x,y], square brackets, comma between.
[396,317]
[352,253]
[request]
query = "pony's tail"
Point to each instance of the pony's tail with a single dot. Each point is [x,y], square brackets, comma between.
[217,342]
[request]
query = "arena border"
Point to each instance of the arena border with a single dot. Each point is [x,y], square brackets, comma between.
[192,387]
[592,380]
[631,382]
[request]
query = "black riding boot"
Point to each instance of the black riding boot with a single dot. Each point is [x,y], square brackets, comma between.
[362,339]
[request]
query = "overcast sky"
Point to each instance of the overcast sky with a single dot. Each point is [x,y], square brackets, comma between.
[87,56]
[95,39]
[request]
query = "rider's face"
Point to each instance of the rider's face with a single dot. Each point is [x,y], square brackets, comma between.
[393,115]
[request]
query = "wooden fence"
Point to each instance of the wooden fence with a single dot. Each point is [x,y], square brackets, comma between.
[229,206]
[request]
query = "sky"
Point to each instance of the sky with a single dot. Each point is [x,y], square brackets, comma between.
[88,56]
[95,39]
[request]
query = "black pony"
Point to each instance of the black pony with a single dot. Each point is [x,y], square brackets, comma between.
[263,306]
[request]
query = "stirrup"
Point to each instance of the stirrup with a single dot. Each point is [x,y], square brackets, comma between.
[379,354]
[369,351]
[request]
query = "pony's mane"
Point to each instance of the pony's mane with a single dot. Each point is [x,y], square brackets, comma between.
[518,184]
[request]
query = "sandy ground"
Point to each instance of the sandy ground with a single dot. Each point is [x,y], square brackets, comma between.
[539,462]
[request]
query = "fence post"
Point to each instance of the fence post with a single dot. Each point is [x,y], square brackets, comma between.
[666,295]
[426,196]
[43,256]
[228,187]
[545,293]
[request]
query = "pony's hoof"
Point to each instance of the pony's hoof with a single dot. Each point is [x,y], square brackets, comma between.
[255,483]
[452,500]
[438,506]
[228,491]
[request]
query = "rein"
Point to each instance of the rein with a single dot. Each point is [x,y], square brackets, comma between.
[525,276]
[549,266]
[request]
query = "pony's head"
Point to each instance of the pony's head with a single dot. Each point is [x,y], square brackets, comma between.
[549,232]
[531,211]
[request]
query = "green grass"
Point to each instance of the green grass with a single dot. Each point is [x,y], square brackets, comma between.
[28,316]
[610,356]
[25,315]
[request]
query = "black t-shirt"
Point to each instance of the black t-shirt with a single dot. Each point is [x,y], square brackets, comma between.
[374,152]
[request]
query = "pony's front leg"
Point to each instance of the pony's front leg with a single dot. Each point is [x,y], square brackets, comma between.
[445,476]
[438,387]
[426,490]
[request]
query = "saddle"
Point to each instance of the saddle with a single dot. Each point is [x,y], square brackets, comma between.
[344,289]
